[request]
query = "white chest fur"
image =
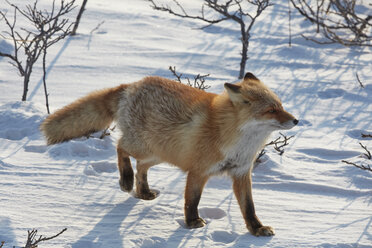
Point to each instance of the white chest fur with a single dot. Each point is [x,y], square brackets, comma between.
[239,157]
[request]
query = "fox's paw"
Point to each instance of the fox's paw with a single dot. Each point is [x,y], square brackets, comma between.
[147,195]
[199,222]
[264,231]
[126,185]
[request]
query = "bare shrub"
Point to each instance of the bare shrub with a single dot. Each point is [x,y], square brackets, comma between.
[278,144]
[197,82]
[367,155]
[32,241]
[45,29]
[243,12]
[337,20]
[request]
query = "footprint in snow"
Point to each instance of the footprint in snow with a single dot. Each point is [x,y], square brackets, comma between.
[342,119]
[207,214]
[36,148]
[97,168]
[224,237]
[153,242]
[330,93]
[212,213]
[368,87]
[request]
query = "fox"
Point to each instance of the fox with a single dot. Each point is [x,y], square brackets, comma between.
[202,133]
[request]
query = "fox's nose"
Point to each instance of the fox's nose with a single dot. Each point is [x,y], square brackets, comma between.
[295,121]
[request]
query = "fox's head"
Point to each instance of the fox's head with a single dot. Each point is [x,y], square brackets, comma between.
[252,100]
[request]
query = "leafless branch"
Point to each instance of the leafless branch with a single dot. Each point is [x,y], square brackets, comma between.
[260,154]
[16,43]
[338,21]
[198,82]
[76,25]
[279,144]
[227,10]
[361,166]
[32,242]
[184,14]
[289,25]
[48,27]
[178,76]
[367,154]
[97,27]
[106,132]
[366,135]
[360,82]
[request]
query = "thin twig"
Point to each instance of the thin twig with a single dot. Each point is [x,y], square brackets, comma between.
[362,166]
[32,243]
[289,25]
[366,135]
[44,80]
[97,27]
[360,82]
[338,20]
[178,76]
[368,153]
[104,133]
[262,152]
[198,83]
[278,144]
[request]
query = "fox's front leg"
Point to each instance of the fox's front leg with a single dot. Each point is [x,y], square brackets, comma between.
[194,187]
[243,192]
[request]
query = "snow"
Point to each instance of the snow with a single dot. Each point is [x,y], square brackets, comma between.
[308,195]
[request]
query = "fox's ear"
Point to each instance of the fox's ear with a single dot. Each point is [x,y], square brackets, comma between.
[234,92]
[249,75]
[232,87]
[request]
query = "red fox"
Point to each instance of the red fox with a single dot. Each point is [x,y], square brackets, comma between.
[204,134]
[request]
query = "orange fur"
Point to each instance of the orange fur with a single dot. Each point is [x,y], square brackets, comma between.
[202,133]
[86,115]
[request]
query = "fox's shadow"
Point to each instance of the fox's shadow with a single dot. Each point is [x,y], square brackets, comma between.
[97,235]
[109,229]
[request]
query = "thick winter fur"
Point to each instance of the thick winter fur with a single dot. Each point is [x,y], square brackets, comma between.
[203,134]
[89,114]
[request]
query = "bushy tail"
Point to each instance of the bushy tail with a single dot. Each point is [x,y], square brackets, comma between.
[86,115]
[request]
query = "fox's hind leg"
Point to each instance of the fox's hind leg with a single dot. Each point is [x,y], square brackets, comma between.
[125,169]
[142,187]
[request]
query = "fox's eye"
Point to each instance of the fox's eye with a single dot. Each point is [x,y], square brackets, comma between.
[246,102]
[272,111]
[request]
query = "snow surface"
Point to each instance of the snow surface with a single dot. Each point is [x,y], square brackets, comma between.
[308,195]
